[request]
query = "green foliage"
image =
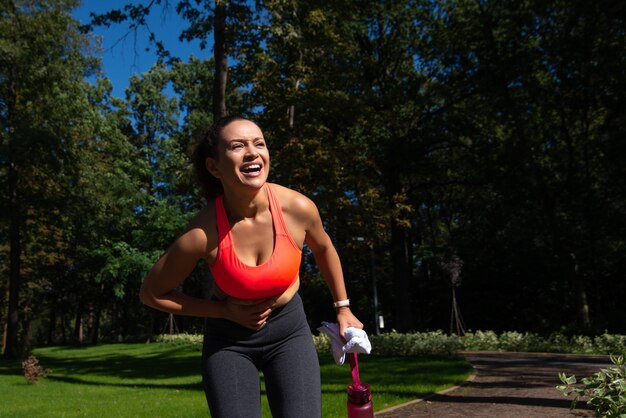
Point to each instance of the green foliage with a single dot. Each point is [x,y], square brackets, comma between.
[506,341]
[437,343]
[390,344]
[532,342]
[322,343]
[122,265]
[135,380]
[605,390]
[46,118]
[434,343]
[488,130]
[182,339]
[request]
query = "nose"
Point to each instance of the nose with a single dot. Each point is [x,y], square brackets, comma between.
[251,152]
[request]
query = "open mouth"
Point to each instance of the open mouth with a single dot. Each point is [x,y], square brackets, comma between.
[252,168]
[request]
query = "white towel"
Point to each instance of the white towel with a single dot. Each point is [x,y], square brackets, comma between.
[356,341]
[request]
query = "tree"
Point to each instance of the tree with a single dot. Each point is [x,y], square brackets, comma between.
[230,21]
[342,84]
[535,127]
[42,68]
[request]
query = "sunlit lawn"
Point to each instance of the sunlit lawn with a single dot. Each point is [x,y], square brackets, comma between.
[156,380]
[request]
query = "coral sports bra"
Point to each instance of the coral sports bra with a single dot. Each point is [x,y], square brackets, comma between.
[271,278]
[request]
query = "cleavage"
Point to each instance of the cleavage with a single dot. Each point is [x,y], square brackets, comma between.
[254,240]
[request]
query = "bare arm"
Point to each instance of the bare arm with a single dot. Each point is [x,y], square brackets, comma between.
[159,288]
[328,261]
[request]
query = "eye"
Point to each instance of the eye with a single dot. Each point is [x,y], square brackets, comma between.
[260,144]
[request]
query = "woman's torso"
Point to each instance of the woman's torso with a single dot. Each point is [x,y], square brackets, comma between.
[253,240]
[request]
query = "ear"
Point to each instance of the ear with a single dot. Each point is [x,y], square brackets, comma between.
[211,167]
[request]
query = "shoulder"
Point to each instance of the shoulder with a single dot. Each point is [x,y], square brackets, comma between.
[200,235]
[293,202]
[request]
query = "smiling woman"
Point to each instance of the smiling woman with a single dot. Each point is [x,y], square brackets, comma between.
[251,234]
[242,154]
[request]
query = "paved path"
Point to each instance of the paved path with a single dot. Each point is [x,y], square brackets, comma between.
[508,385]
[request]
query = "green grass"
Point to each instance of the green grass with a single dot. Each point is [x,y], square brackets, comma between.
[158,380]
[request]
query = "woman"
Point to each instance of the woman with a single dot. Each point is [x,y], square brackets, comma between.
[251,234]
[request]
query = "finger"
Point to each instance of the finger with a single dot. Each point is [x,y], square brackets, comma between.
[355,324]
[266,313]
[342,331]
[256,325]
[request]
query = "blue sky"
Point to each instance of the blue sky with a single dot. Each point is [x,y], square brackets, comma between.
[123,57]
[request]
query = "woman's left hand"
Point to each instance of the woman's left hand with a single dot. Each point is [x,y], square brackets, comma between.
[345,319]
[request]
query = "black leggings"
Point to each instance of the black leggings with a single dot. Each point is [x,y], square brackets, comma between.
[283,350]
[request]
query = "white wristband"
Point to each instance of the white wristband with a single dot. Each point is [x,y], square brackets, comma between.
[341,303]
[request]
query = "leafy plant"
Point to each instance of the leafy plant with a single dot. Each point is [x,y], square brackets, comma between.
[192,340]
[532,342]
[438,343]
[32,370]
[606,389]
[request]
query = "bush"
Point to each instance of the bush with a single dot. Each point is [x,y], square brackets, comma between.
[606,389]
[193,340]
[610,343]
[531,342]
[434,343]
[32,370]
[322,343]
[437,343]
[480,341]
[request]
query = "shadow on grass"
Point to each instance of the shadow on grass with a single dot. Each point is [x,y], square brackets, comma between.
[166,363]
[177,386]
[111,365]
[10,367]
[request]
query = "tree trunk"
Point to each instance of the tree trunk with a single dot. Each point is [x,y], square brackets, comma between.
[401,277]
[401,254]
[63,334]
[78,325]
[95,330]
[52,324]
[582,305]
[27,335]
[10,348]
[155,322]
[221,60]
[15,223]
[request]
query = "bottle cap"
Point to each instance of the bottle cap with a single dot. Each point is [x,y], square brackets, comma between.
[359,393]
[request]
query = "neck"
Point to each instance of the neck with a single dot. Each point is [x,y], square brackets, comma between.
[245,205]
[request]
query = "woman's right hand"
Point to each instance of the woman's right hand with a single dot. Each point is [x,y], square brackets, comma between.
[251,314]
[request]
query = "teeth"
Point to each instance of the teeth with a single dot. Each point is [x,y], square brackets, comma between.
[251,167]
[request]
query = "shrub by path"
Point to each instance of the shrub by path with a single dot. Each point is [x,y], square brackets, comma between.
[508,385]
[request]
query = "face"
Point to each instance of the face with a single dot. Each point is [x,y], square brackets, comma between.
[242,156]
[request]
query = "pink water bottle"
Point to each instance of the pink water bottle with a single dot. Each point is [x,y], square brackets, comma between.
[359,394]
[360,401]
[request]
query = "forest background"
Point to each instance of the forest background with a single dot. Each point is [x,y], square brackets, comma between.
[467,158]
